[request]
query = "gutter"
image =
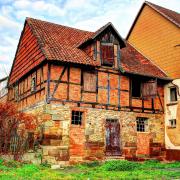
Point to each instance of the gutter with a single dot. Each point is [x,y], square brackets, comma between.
[161,78]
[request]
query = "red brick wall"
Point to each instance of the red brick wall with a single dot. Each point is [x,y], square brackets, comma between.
[25,96]
[105,77]
[28,55]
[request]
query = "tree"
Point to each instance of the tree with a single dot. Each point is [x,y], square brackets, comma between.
[14,127]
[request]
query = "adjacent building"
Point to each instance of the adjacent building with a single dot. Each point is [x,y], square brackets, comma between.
[156,34]
[97,94]
[3,89]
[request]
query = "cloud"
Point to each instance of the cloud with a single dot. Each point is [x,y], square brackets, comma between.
[83,14]
[7,23]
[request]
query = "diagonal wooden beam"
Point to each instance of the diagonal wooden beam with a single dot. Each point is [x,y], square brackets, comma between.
[160,101]
[59,79]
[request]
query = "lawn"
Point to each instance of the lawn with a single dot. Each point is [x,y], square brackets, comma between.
[109,170]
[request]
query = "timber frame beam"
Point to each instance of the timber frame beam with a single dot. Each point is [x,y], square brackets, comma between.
[59,80]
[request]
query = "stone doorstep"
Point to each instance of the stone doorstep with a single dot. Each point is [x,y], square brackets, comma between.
[109,158]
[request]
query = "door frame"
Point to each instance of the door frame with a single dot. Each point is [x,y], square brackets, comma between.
[119,136]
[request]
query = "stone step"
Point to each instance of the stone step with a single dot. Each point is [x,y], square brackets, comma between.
[108,158]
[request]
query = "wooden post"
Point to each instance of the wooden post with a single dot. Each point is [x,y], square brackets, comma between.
[48,83]
[115,57]
[68,80]
[130,94]
[98,51]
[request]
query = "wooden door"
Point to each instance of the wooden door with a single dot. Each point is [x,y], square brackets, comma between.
[112,137]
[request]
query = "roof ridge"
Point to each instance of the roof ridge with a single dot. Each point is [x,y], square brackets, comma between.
[155,7]
[30,18]
[148,2]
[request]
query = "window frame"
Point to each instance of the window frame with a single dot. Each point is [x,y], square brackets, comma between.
[16,92]
[143,125]
[172,123]
[33,86]
[83,82]
[113,56]
[81,113]
[170,91]
[140,93]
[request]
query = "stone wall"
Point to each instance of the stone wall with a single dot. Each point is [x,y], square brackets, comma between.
[63,143]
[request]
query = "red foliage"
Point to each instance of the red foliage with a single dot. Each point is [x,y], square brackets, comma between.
[14,123]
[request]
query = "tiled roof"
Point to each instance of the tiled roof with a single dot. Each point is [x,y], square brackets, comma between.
[100,30]
[61,43]
[173,16]
[134,62]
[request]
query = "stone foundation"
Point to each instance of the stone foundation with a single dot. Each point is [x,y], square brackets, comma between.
[63,143]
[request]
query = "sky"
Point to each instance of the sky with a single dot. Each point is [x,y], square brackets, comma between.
[83,14]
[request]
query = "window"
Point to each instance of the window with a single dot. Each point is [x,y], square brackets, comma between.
[76,118]
[136,88]
[172,123]
[149,88]
[142,124]
[33,84]
[16,94]
[89,82]
[107,54]
[173,94]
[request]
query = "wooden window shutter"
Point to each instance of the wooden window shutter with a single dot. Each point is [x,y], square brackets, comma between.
[89,82]
[149,89]
[107,55]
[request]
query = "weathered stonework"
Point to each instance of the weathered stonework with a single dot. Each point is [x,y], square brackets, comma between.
[64,143]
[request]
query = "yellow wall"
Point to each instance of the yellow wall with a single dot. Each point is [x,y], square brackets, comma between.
[156,37]
[172,111]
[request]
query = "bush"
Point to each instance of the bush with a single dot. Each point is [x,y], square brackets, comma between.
[1,161]
[122,165]
[153,161]
[14,126]
[45,164]
[12,164]
[91,164]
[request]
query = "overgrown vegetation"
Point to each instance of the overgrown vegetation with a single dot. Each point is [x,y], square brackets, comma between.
[95,170]
[14,126]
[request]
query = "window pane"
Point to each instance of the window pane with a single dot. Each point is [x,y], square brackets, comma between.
[136,88]
[76,118]
[142,124]
[107,55]
[173,94]
[33,84]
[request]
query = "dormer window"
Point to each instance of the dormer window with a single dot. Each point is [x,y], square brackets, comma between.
[107,54]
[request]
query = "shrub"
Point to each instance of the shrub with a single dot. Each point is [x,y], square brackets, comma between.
[12,164]
[1,161]
[14,126]
[45,164]
[122,165]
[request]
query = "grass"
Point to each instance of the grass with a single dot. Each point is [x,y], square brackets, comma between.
[90,171]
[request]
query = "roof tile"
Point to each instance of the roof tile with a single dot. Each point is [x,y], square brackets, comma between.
[61,43]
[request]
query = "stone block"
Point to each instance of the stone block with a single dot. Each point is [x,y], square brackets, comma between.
[46,117]
[48,124]
[55,142]
[53,152]
[63,147]
[54,167]
[57,117]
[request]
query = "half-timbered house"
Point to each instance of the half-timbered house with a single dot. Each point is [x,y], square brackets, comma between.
[98,95]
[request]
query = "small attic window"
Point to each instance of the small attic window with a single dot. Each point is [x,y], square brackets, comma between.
[33,84]
[107,54]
